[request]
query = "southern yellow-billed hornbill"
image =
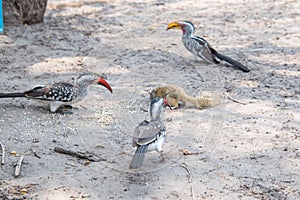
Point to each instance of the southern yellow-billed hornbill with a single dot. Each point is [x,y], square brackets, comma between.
[149,135]
[61,94]
[200,47]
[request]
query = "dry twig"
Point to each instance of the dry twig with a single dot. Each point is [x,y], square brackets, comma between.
[18,166]
[83,107]
[192,191]
[78,154]
[3,153]
[144,109]
[188,171]
[233,99]
[35,153]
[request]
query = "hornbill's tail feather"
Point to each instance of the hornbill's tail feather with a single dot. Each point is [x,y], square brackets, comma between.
[232,62]
[11,95]
[138,157]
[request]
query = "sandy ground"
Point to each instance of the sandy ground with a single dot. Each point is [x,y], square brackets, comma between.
[238,151]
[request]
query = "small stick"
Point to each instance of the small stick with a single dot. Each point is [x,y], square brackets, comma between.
[192,191]
[18,166]
[83,107]
[188,171]
[233,99]
[70,164]
[34,153]
[144,109]
[3,153]
[80,155]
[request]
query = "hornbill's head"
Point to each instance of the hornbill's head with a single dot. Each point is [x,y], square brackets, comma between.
[156,107]
[93,79]
[158,102]
[185,26]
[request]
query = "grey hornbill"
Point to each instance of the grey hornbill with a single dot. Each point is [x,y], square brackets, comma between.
[200,47]
[149,135]
[61,94]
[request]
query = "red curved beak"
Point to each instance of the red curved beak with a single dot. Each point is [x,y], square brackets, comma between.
[167,104]
[103,82]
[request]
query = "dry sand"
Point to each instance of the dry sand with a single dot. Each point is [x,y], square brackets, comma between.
[238,151]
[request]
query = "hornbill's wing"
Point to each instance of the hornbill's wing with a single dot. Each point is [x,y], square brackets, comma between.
[145,133]
[204,49]
[56,92]
[208,53]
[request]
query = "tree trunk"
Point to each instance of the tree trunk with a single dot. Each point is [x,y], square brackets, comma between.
[19,12]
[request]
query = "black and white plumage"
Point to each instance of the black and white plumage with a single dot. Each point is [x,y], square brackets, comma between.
[200,47]
[149,135]
[60,94]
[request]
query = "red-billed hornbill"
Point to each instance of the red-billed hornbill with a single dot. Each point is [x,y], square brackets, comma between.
[149,135]
[61,94]
[200,47]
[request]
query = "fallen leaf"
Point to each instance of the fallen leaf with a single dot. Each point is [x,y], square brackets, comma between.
[87,162]
[186,152]
[24,191]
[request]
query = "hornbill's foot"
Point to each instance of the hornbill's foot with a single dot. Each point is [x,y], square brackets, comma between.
[65,109]
[162,157]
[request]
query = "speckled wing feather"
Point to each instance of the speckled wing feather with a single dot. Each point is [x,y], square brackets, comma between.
[64,92]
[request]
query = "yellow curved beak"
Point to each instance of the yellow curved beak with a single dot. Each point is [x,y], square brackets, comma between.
[174,25]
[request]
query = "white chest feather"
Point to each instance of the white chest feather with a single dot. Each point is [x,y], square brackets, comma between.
[157,144]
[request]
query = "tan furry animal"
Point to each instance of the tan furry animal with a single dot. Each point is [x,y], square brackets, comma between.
[177,97]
